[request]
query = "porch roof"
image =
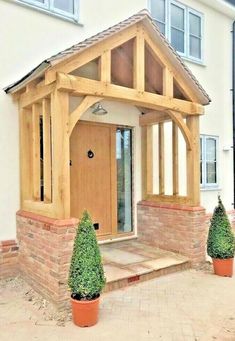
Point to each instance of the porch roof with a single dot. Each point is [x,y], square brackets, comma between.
[142,16]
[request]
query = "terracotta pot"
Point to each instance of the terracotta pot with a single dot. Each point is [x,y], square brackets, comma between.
[223,267]
[85,313]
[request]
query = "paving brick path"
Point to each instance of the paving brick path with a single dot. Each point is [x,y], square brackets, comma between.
[188,306]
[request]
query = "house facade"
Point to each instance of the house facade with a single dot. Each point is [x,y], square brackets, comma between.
[134,108]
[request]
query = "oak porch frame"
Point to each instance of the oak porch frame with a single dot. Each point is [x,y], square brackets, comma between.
[52,97]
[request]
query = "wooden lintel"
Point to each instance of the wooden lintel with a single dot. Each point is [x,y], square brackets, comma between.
[178,119]
[153,117]
[75,116]
[83,86]
[35,95]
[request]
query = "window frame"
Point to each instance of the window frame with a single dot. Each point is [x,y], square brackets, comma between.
[204,184]
[48,7]
[187,10]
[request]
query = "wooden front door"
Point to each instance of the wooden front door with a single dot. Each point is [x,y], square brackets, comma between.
[93,175]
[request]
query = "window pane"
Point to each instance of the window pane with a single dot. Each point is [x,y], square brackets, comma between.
[194,25]
[65,5]
[177,17]
[124,179]
[195,47]
[161,26]
[210,149]
[211,173]
[177,40]
[158,10]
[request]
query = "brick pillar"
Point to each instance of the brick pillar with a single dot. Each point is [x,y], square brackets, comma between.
[176,228]
[45,248]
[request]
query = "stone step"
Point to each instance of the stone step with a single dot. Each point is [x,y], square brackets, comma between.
[130,264]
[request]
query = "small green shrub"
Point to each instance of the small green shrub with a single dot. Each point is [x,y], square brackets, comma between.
[86,274]
[221,241]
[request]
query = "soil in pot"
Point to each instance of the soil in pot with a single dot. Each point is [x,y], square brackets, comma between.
[85,313]
[223,267]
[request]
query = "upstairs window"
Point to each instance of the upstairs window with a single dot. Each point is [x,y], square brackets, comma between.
[62,8]
[181,25]
[208,161]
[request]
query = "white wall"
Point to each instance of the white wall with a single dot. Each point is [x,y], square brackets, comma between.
[216,77]
[28,36]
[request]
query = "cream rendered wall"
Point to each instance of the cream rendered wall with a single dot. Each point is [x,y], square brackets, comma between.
[27,37]
[215,75]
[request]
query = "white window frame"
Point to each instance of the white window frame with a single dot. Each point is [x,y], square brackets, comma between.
[48,7]
[187,11]
[204,184]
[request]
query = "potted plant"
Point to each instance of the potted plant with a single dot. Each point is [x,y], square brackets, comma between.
[221,242]
[86,274]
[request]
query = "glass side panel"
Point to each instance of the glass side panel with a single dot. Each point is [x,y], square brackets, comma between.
[124,179]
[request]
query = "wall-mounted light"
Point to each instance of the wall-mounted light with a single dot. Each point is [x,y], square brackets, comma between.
[99,110]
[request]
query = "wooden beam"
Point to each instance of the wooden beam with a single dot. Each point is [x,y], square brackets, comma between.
[105,67]
[35,95]
[178,119]
[193,162]
[60,154]
[36,151]
[161,151]
[25,119]
[153,117]
[75,61]
[175,159]
[75,116]
[168,89]
[169,199]
[84,86]
[46,113]
[39,207]
[149,159]
[139,62]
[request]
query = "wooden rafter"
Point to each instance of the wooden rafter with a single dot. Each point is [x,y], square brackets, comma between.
[75,116]
[82,86]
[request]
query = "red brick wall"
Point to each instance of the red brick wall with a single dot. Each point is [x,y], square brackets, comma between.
[45,252]
[8,259]
[175,228]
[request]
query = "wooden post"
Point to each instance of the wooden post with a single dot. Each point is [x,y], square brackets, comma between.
[36,151]
[193,162]
[175,159]
[139,62]
[144,160]
[161,159]
[168,89]
[26,191]
[149,159]
[60,154]
[46,112]
[105,67]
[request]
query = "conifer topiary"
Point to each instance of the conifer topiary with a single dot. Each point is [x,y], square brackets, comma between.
[86,274]
[221,241]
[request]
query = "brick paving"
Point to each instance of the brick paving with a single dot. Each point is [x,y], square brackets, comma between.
[187,306]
